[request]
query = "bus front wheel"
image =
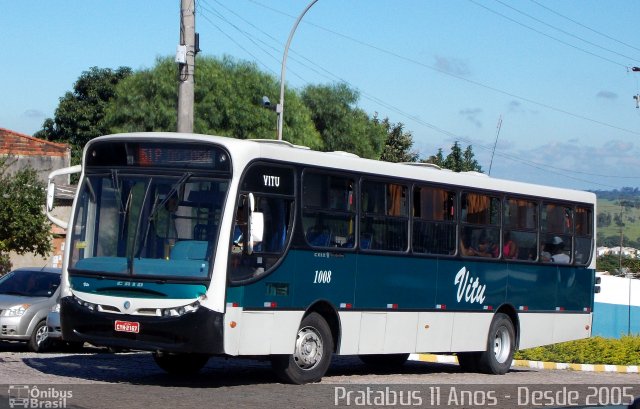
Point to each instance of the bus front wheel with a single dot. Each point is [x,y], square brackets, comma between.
[180,364]
[312,354]
[501,345]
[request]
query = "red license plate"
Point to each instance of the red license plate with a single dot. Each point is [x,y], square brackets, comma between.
[127,326]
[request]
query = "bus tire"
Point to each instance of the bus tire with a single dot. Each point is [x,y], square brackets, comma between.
[312,354]
[383,361]
[501,345]
[180,364]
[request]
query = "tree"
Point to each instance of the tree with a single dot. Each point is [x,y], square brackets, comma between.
[23,226]
[437,159]
[456,160]
[80,114]
[227,102]
[397,147]
[341,124]
[469,163]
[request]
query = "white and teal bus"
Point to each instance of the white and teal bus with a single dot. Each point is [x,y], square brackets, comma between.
[192,246]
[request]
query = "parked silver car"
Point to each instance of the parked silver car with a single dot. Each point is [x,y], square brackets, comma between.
[26,297]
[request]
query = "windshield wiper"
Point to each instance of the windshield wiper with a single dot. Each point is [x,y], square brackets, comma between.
[157,206]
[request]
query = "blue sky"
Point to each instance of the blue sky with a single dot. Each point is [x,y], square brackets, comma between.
[555,72]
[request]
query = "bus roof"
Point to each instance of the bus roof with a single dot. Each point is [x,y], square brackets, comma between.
[244,151]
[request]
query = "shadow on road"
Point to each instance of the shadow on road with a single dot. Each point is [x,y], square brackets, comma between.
[138,368]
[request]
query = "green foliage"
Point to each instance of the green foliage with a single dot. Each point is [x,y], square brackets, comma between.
[80,114]
[23,226]
[5,263]
[596,350]
[397,147]
[341,124]
[456,160]
[227,102]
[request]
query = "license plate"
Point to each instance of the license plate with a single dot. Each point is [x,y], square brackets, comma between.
[127,326]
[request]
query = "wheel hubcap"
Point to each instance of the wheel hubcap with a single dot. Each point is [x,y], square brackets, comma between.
[41,335]
[502,345]
[309,348]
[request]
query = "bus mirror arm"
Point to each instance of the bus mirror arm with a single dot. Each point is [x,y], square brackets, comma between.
[51,192]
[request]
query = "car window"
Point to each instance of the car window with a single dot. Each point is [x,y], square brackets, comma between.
[30,283]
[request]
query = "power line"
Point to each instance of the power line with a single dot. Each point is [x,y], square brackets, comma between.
[459,77]
[546,35]
[584,26]
[564,31]
[331,76]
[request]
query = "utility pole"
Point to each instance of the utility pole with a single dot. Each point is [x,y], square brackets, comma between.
[186,59]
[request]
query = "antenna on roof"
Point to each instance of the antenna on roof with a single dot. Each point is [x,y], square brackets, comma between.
[495,143]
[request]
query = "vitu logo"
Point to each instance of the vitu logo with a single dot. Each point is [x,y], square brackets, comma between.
[271,181]
[468,287]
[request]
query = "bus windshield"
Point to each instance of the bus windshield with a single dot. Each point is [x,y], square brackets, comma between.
[142,225]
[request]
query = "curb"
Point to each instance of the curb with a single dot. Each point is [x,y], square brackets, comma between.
[450,359]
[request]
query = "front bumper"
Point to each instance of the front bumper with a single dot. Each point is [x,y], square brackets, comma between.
[14,328]
[199,332]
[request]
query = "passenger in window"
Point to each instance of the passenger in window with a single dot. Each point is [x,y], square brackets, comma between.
[545,252]
[465,246]
[485,247]
[509,248]
[558,251]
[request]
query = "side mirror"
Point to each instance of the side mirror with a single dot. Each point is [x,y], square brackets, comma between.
[255,225]
[51,192]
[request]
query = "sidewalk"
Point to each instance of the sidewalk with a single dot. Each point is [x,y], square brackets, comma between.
[450,359]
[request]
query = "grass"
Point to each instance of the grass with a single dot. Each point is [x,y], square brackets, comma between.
[631,219]
[595,350]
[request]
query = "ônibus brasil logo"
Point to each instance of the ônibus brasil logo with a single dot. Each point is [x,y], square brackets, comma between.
[25,396]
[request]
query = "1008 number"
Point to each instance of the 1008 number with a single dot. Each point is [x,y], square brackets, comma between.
[322,277]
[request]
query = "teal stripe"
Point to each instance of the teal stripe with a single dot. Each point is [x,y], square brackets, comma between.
[377,282]
[137,289]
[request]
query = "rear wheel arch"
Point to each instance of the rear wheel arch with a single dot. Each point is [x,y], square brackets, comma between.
[510,311]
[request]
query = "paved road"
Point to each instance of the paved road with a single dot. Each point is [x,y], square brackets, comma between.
[94,378]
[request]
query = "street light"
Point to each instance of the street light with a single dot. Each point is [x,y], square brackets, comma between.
[280,105]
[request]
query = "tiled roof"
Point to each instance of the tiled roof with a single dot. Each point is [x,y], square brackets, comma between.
[15,143]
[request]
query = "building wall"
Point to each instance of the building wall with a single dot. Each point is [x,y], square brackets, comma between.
[23,151]
[617,307]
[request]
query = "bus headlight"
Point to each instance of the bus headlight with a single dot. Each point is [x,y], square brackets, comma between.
[179,311]
[86,304]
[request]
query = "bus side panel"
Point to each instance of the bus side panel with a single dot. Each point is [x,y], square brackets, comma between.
[268,332]
[434,332]
[538,329]
[568,327]
[532,287]
[470,331]
[372,328]
[535,329]
[395,282]
[398,330]
[471,285]
[350,332]
[323,275]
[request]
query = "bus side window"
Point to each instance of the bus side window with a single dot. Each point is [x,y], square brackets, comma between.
[434,224]
[277,213]
[328,210]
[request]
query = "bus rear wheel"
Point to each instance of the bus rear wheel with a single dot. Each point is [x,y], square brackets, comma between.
[501,345]
[180,364]
[312,354]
